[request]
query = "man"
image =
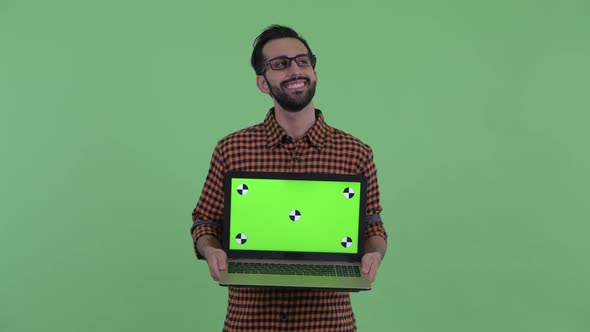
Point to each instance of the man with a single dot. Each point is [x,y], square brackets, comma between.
[293,138]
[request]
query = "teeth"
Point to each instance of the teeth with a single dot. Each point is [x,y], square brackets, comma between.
[295,86]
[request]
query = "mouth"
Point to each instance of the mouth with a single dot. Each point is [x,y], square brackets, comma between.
[296,84]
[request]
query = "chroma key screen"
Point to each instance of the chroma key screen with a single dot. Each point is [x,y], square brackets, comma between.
[294,215]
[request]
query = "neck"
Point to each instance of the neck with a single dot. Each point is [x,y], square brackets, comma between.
[295,124]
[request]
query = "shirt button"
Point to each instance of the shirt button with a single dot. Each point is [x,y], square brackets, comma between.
[295,159]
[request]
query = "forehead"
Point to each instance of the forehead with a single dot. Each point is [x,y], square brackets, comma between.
[283,46]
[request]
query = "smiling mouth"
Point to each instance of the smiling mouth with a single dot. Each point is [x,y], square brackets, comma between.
[296,84]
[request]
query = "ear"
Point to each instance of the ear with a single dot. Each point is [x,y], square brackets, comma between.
[262,85]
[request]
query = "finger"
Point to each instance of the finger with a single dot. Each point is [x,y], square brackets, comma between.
[222,262]
[370,267]
[370,271]
[373,272]
[366,265]
[213,267]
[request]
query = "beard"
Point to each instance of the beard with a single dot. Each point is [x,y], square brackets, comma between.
[296,102]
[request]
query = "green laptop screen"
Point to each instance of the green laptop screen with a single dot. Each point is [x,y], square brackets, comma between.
[294,215]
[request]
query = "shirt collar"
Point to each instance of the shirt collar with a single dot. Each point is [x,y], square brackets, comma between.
[316,135]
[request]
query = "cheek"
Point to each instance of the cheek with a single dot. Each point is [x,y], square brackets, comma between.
[315,75]
[273,82]
[262,85]
[267,86]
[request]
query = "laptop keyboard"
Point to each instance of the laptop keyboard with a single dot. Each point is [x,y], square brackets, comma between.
[294,269]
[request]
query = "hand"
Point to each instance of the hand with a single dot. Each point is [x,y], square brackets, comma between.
[370,263]
[217,261]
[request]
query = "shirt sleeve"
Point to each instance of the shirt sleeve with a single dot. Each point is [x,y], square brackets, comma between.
[208,214]
[374,223]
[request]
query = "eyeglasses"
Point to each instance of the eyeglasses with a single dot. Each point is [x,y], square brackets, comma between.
[284,62]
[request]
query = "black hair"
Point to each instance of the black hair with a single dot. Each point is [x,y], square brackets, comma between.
[258,61]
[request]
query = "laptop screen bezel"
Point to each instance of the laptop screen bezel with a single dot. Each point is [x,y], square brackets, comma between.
[295,255]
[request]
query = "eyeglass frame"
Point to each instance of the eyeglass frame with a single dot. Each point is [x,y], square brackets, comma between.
[312,59]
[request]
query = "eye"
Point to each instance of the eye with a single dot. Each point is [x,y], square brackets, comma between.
[303,61]
[280,63]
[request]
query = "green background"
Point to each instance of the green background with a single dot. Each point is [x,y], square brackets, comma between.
[477,111]
[327,216]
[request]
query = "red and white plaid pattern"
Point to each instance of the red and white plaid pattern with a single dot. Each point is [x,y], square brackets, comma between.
[267,148]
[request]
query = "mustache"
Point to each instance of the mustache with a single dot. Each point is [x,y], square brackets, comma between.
[295,78]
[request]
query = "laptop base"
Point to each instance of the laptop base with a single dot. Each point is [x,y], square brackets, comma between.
[334,283]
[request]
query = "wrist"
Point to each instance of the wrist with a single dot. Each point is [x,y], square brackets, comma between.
[377,254]
[207,251]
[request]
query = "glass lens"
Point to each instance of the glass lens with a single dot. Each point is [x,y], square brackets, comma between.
[280,63]
[284,62]
[303,60]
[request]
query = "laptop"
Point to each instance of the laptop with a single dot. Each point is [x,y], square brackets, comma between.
[294,230]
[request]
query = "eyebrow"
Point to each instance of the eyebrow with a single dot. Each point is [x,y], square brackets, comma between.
[286,56]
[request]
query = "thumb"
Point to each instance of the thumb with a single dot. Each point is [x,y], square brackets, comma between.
[221,262]
[366,265]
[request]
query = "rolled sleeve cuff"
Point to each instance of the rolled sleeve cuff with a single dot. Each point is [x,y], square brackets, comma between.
[202,228]
[375,227]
